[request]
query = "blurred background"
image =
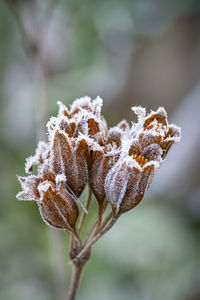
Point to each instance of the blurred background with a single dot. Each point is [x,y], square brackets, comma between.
[130,52]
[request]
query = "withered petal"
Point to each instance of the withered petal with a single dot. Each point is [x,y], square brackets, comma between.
[123,125]
[160,115]
[41,154]
[29,185]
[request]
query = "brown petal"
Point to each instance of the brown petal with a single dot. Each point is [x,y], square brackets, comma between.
[172,135]
[160,116]
[123,125]
[68,127]
[93,127]
[135,149]
[29,185]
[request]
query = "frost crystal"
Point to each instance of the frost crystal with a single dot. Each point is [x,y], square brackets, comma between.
[118,163]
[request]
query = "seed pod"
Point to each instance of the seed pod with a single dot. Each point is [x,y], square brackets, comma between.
[101,165]
[103,161]
[71,158]
[57,205]
[126,184]
[154,129]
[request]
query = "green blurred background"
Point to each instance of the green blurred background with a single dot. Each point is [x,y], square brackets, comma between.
[129,52]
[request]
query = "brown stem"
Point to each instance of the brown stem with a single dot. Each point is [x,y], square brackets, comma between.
[91,230]
[107,219]
[77,271]
[102,209]
[82,219]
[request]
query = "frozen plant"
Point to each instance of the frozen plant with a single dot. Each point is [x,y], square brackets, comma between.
[117,164]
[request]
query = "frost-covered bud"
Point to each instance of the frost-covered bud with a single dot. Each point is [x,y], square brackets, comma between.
[142,151]
[127,182]
[71,157]
[74,134]
[57,205]
[85,119]
[104,159]
[154,129]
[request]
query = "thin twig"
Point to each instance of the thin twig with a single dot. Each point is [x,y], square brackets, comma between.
[102,209]
[107,219]
[90,231]
[87,204]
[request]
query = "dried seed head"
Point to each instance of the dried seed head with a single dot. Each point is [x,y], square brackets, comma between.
[142,151]
[72,136]
[57,205]
[118,163]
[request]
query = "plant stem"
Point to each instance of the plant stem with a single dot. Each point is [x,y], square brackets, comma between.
[90,231]
[82,219]
[107,219]
[102,209]
[77,271]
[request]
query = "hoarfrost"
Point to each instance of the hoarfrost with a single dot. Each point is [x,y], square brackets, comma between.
[43,187]
[41,154]
[140,112]
[29,185]
[60,178]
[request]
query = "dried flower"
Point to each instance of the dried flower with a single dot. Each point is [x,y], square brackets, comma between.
[118,163]
[72,136]
[143,150]
[57,205]
[103,159]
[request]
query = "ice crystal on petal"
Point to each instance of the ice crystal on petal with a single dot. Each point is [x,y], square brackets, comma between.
[29,185]
[41,154]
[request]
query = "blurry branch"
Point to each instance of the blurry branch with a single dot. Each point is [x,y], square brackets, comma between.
[14,8]
[33,44]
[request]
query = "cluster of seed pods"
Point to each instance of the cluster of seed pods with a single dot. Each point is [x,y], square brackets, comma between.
[117,163]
